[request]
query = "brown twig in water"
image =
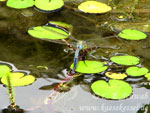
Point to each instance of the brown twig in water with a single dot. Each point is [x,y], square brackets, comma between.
[134,11]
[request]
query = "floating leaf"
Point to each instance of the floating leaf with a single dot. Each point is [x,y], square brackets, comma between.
[125,60]
[89,67]
[114,89]
[18,79]
[147,75]
[61,24]
[49,5]
[4,70]
[132,34]
[136,71]
[116,75]
[94,7]
[47,32]
[20,4]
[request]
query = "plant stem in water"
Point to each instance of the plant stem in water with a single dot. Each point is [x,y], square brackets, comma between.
[11,93]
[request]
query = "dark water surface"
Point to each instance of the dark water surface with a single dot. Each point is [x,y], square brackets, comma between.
[47,60]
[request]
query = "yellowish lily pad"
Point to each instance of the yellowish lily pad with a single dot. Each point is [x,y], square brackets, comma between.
[18,79]
[116,75]
[94,7]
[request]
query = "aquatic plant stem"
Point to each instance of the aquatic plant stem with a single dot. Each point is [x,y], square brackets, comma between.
[68,44]
[11,93]
[134,11]
[85,17]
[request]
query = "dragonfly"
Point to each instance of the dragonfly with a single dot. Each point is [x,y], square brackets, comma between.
[80,46]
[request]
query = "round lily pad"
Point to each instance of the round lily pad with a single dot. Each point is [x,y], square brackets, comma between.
[116,75]
[147,75]
[125,60]
[49,5]
[47,32]
[114,89]
[18,79]
[20,4]
[89,67]
[94,7]
[136,71]
[131,34]
[4,70]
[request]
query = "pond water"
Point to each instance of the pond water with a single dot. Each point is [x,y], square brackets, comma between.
[48,61]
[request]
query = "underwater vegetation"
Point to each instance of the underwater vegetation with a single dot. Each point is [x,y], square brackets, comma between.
[109,75]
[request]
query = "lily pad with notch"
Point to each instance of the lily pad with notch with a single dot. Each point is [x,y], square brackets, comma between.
[125,60]
[94,7]
[49,5]
[132,34]
[20,4]
[18,79]
[90,67]
[114,89]
[136,71]
[48,32]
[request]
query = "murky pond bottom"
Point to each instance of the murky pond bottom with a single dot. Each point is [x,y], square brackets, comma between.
[48,61]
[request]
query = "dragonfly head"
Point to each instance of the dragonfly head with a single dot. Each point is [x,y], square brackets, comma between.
[81,45]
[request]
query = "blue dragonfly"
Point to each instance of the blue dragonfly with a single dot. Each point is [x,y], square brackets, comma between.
[79,47]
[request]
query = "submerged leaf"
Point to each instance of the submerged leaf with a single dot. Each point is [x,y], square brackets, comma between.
[61,24]
[47,32]
[114,89]
[136,71]
[125,60]
[116,75]
[132,34]
[20,4]
[49,5]
[4,70]
[94,7]
[90,67]
[18,79]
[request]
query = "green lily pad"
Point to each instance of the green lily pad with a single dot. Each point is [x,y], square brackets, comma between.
[136,71]
[125,60]
[94,7]
[147,75]
[114,89]
[49,5]
[89,67]
[47,32]
[20,4]
[18,79]
[4,70]
[131,34]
